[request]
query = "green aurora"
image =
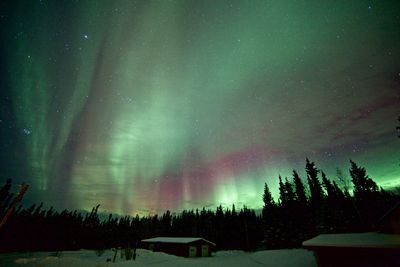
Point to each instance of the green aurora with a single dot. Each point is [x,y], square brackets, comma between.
[143,106]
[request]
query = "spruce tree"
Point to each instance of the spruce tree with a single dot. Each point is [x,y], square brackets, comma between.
[269,217]
[338,191]
[367,198]
[299,187]
[267,198]
[313,182]
[329,188]
[398,127]
[290,195]
[363,185]
[5,197]
[282,192]
[344,182]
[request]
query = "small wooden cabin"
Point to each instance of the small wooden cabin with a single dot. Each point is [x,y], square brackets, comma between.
[180,246]
[356,249]
[379,248]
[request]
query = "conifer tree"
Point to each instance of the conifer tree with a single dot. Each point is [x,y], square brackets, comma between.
[338,191]
[345,183]
[267,198]
[398,127]
[368,200]
[219,212]
[313,182]
[329,188]
[363,185]
[290,195]
[5,190]
[282,192]
[269,215]
[299,187]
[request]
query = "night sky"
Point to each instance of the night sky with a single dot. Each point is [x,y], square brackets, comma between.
[143,106]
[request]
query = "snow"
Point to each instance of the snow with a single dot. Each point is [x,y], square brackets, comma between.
[267,258]
[175,240]
[359,240]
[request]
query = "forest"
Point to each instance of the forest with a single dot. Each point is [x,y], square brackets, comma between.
[305,208]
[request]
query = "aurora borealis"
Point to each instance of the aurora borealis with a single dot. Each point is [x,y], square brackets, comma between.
[143,106]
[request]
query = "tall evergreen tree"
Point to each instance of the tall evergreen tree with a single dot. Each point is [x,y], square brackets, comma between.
[282,192]
[313,182]
[290,195]
[267,197]
[363,185]
[344,182]
[338,191]
[299,188]
[5,190]
[5,197]
[329,188]
[368,201]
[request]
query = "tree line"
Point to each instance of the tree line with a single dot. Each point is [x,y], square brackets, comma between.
[303,210]
[38,229]
[320,205]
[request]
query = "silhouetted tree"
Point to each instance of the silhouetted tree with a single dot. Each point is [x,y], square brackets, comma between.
[269,205]
[344,182]
[5,197]
[366,196]
[398,127]
[290,195]
[270,219]
[282,192]
[267,197]
[363,185]
[316,192]
[329,188]
[299,188]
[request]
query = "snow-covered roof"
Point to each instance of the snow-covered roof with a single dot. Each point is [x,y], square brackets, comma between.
[355,240]
[183,240]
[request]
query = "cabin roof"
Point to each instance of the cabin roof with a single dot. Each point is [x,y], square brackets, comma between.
[181,240]
[355,240]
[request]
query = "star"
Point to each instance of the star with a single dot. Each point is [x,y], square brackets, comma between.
[26,131]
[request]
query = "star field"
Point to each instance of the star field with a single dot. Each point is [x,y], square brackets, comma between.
[143,106]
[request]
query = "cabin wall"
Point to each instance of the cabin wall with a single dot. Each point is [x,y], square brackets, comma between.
[179,249]
[392,225]
[199,248]
[350,257]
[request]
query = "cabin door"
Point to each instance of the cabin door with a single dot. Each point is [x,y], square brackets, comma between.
[204,251]
[192,252]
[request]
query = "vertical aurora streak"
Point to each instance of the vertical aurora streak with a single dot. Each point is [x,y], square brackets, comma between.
[144,106]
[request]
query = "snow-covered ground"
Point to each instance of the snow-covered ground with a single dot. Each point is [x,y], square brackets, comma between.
[83,258]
